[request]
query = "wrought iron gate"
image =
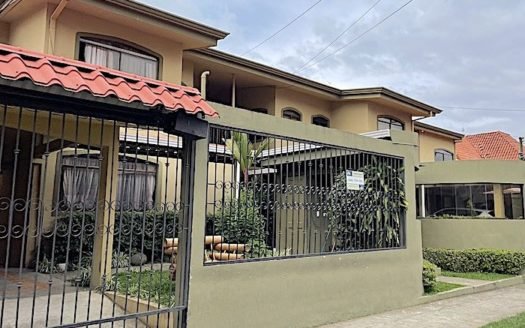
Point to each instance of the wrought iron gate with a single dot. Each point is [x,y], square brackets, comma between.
[93,221]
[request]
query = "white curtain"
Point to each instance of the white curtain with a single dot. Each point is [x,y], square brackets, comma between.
[101,56]
[136,185]
[138,65]
[80,182]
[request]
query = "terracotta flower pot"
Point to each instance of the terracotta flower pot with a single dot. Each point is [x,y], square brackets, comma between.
[218,256]
[171,250]
[234,248]
[208,240]
[171,242]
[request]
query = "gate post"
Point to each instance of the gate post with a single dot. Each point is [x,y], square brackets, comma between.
[105,213]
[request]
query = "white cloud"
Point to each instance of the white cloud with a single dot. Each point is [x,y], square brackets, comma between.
[441,52]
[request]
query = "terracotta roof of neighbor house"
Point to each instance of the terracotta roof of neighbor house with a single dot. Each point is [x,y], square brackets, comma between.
[75,76]
[491,145]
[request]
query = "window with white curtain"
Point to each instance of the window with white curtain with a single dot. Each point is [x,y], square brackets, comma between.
[80,180]
[118,56]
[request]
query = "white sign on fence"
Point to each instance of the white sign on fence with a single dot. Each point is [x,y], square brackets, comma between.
[355,180]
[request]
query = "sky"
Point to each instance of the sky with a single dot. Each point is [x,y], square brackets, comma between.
[466,57]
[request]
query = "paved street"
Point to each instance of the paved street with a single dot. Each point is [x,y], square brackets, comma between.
[469,311]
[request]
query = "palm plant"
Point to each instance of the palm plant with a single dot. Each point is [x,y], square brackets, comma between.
[245,152]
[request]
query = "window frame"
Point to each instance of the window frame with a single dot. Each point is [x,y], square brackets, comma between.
[390,119]
[443,152]
[322,117]
[59,172]
[138,50]
[286,110]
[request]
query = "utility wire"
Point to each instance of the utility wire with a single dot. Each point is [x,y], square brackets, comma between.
[339,36]
[362,34]
[282,28]
[488,109]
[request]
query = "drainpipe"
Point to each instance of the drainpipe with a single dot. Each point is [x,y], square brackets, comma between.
[234,88]
[521,155]
[53,24]
[204,75]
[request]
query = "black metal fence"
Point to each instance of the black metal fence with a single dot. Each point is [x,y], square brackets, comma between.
[269,196]
[91,215]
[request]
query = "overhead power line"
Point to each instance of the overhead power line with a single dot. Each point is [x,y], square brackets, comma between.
[282,28]
[362,34]
[488,109]
[340,35]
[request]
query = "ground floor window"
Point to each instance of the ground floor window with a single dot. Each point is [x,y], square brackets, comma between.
[80,179]
[471,200]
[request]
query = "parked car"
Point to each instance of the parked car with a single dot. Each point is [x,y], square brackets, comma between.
[459,212]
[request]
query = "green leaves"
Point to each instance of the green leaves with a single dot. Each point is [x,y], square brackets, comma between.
[429,275]
[477,260]
[374,212]
[244,151]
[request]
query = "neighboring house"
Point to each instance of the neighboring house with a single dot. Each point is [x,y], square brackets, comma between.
[436,144]
[495,145]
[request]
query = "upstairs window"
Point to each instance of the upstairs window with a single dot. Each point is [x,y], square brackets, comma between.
[389,123]
[441,155]
[291,114]
[321,121]
[118,56]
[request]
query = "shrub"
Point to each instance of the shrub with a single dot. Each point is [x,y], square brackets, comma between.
[477,260]
[429,275]
[134,231]
[240,221]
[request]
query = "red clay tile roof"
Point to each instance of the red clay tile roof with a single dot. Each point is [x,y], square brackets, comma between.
[75,76]
[490,145]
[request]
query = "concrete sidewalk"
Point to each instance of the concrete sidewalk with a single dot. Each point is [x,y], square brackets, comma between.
[470,311]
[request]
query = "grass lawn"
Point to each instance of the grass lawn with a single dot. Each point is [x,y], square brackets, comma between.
[440,287]
[512,322]
[155,286]
[477,275]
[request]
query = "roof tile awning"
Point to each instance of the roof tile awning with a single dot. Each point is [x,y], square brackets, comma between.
[76,76]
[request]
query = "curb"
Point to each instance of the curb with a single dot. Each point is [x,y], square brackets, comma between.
[468,290]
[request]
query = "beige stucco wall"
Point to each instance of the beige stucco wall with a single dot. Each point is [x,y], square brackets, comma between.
[473,233]
[302,292]
[70,23]
[350,117]
[307,105]
[187,73]
[4,32]
[482,171]
[429,142]
[30,31]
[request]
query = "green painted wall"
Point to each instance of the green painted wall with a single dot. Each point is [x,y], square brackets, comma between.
[488,171]
[473,233]
[310,291]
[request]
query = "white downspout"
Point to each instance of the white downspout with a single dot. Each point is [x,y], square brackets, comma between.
[234,88]
[53,25]
[204,76]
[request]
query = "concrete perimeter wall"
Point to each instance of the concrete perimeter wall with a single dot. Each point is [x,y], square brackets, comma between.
[473,233]
[309,291]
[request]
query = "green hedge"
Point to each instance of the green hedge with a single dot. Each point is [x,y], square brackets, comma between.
[429,275]
[477,260]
